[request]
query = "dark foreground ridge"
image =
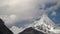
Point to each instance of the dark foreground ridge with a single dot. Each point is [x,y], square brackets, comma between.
[31,31]
[3,28]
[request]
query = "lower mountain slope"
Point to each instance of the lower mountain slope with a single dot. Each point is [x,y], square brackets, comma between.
[31,30]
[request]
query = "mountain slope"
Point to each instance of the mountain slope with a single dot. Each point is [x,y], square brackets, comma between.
[31,31]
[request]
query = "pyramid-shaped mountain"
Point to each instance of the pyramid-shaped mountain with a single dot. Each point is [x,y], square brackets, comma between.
[44,25]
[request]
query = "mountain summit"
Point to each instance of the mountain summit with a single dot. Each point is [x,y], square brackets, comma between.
[44,25]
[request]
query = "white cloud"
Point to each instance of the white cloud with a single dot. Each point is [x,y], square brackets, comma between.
[8,19]
[53,13]
[55,7]
[13,17]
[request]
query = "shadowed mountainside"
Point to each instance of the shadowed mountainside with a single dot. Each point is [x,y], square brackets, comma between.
[31,31]
[3,28]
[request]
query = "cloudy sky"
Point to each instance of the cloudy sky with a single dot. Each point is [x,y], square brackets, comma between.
[21,12]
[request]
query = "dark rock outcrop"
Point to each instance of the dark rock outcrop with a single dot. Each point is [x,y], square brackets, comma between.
[31,31]
[3,28]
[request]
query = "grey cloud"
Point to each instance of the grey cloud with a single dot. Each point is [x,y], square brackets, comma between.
[23,9]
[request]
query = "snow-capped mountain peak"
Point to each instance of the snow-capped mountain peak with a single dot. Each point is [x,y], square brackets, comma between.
[45,20]
[44,23]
